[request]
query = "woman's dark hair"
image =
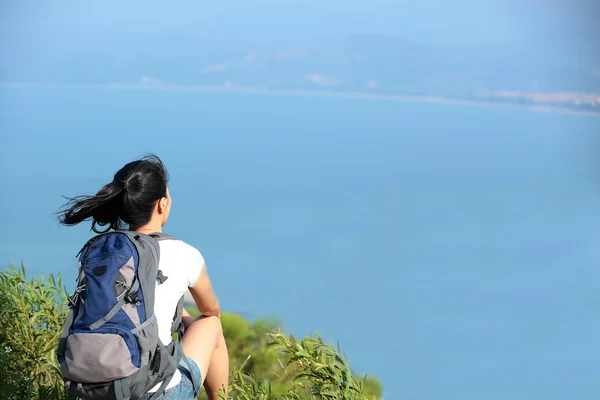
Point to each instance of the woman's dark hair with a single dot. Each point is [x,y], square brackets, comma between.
[129,199]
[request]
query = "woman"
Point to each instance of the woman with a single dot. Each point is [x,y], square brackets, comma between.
[139,197]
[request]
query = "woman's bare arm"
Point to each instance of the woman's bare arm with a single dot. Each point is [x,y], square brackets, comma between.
[204,296]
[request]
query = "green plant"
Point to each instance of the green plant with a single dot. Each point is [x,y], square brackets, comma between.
[321,370]
[31,316]
[313,370]
[266,364]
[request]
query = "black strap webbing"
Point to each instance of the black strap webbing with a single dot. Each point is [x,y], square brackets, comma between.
[71,393]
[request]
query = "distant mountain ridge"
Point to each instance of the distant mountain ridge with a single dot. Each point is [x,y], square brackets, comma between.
[373,64]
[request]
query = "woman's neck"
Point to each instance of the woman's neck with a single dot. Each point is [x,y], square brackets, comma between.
[149,228]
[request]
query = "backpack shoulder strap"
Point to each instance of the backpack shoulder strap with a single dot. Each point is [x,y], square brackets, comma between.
[157,236]
[161,236]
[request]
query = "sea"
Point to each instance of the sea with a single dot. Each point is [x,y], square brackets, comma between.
[453,251]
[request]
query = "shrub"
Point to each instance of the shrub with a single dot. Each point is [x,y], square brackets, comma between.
[31,316]
[266,363]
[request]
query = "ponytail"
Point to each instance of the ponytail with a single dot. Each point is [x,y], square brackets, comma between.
[103,208]
[128,200]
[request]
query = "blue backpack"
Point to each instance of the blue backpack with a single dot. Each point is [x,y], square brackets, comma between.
[109,348]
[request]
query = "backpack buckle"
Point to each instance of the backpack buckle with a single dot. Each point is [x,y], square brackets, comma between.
[132,298]
[161,277]
[74,299]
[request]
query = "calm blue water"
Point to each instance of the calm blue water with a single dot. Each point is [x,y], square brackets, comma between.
[453,251]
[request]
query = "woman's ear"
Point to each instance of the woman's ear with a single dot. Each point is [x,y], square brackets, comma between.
[162,205]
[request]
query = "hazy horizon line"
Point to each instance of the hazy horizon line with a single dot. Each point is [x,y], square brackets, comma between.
[160,86]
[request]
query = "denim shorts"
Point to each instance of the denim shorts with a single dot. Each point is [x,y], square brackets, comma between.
[184,390]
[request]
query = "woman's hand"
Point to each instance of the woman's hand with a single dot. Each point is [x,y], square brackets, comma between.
[186,319]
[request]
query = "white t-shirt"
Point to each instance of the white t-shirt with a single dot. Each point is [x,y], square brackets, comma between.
[181,264]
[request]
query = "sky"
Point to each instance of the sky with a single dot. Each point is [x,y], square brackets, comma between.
[459,22]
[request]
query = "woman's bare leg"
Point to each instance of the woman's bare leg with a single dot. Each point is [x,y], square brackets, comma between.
[203,342]
[217,377]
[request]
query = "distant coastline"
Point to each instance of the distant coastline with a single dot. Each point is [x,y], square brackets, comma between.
[505,99]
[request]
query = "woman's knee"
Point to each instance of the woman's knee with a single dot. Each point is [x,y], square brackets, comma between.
[201,339]
[209,327]
[216,327]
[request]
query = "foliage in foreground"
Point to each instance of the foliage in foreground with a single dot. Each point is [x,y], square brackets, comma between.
[317,372]
[266,364]
[31,315]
